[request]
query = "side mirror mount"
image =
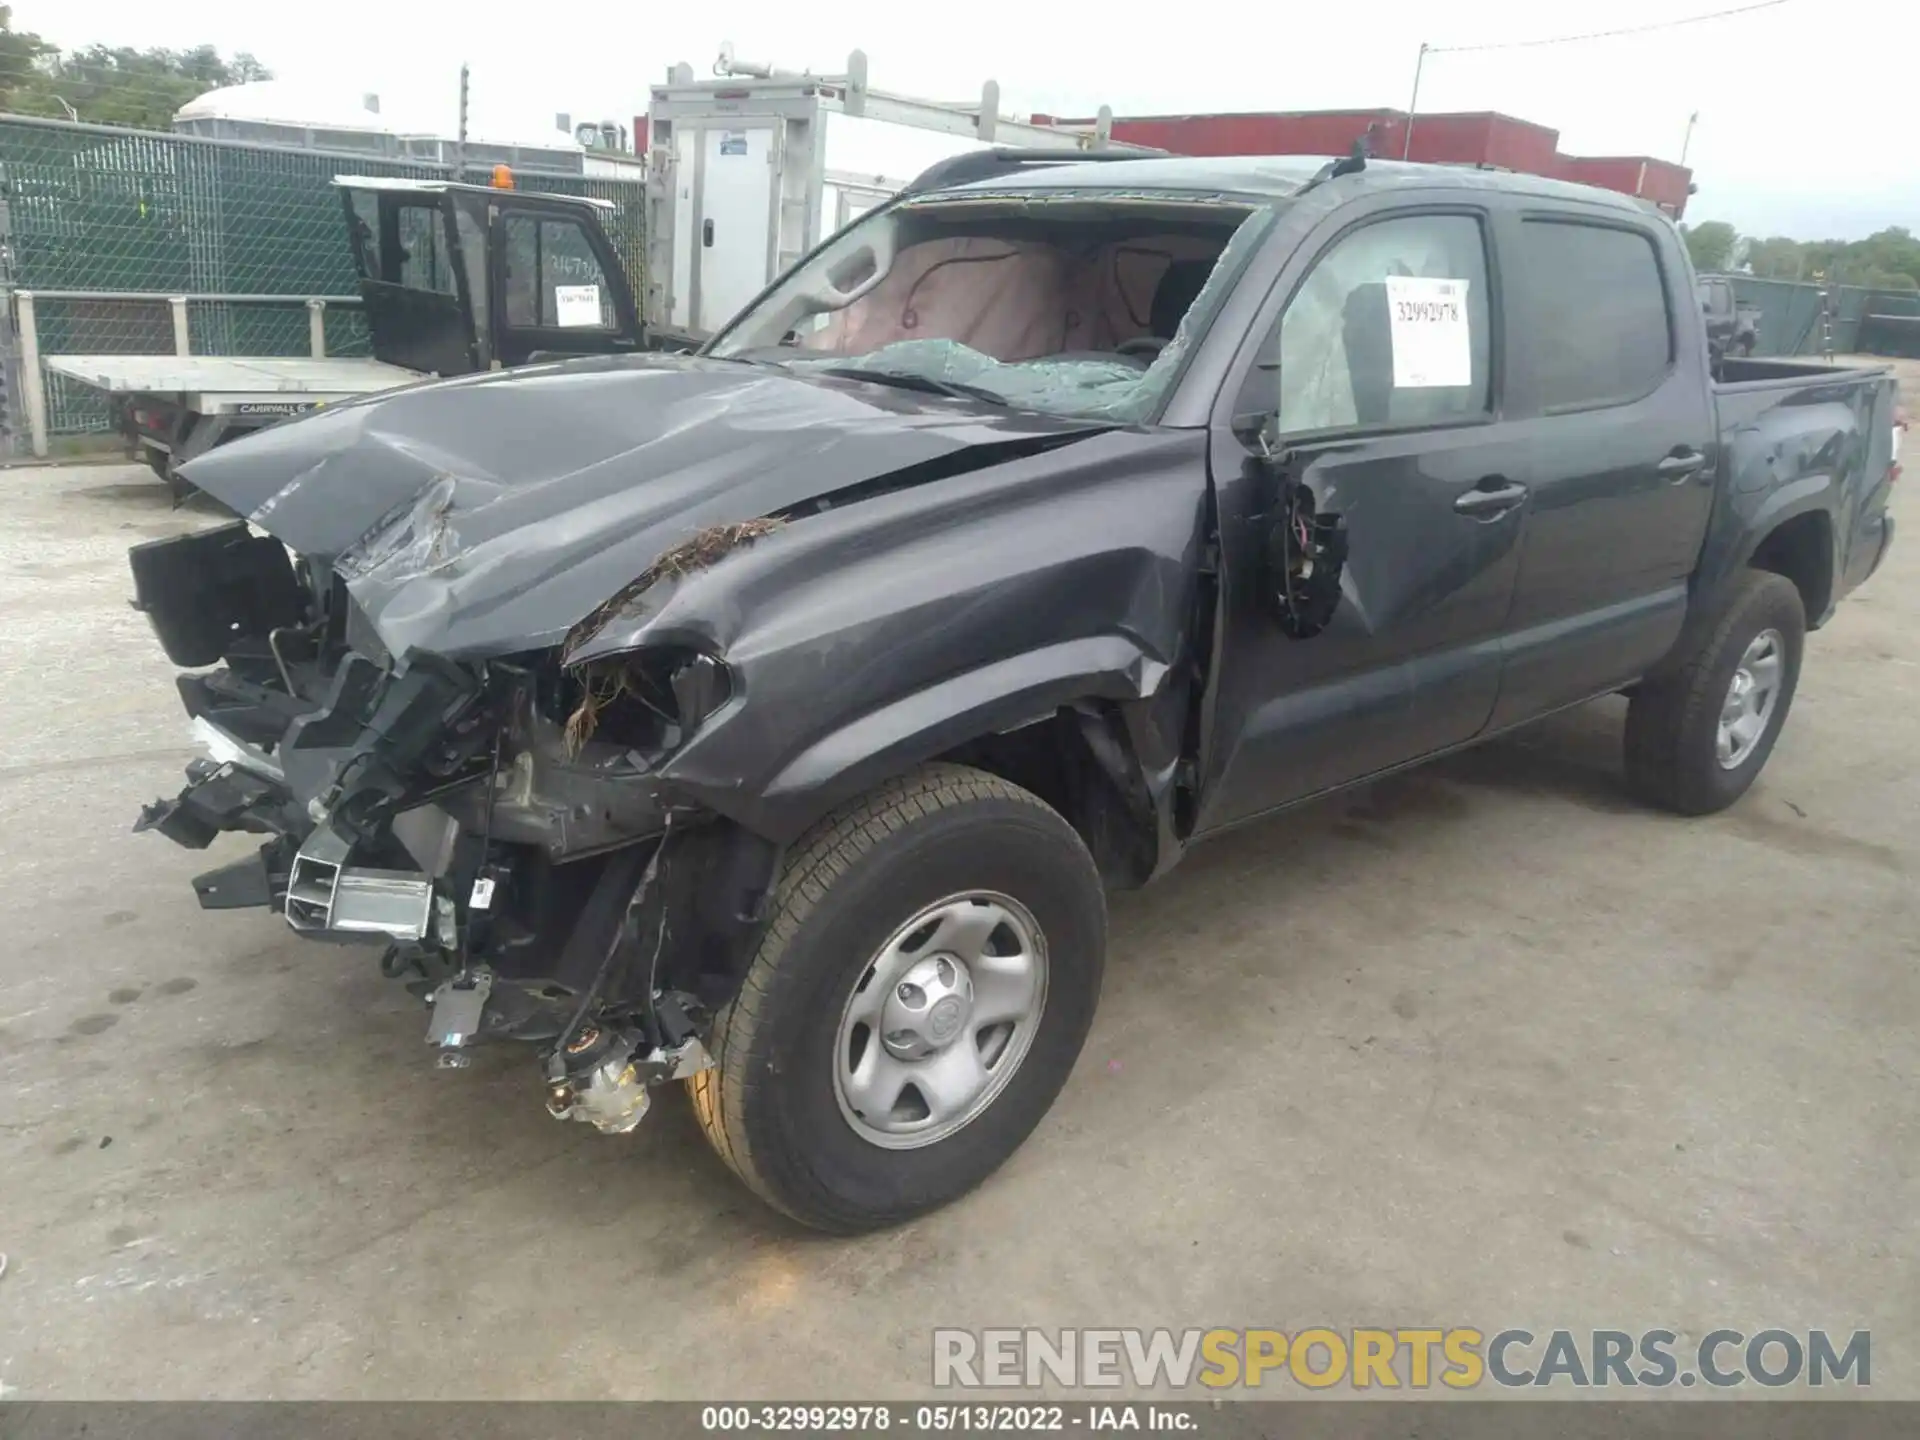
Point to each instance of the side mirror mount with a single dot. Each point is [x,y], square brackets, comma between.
[1268,439]
[1259,431]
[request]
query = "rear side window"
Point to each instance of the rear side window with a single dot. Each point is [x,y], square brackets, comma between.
[1600,329]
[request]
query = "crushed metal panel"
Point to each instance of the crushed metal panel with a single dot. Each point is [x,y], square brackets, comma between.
[697,552]
[492,513]
[937,611]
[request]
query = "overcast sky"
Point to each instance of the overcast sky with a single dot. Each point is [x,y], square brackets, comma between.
[1769,154]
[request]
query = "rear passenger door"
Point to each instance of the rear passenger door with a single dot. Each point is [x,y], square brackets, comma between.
[1394,428]
[1609,389]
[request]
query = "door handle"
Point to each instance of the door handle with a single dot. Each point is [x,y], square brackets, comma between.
[1490,499]
[706,234]
[1681,464]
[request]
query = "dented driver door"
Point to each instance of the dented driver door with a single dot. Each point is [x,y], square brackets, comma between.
[1378,361]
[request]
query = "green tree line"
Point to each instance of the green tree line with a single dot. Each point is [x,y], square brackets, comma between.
[1886,260]
[110,84]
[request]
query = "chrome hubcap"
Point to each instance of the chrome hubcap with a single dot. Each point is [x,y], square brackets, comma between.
[1751,697]
[942,1016]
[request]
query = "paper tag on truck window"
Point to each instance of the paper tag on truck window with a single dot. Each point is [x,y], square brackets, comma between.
[576,305]
[482,896]
[1432,346]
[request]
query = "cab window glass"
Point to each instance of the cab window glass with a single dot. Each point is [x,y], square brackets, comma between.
[365,206]
[424,261]
[1391,327]
[553,278]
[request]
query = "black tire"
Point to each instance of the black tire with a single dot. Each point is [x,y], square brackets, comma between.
[770,1107]
[1673,718]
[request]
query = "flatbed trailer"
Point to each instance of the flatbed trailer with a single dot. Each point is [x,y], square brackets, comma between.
[174,407]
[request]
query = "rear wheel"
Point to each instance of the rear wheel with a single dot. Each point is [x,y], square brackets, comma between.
[922,991]
[1698,737]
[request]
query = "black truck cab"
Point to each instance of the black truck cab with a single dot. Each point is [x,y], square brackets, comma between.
[461,278]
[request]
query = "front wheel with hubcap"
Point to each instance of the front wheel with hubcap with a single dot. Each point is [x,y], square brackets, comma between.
[941,1020]
[922,990]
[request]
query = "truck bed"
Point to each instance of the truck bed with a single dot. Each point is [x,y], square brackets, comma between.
[236,377]
[1792,431]
[1747,370]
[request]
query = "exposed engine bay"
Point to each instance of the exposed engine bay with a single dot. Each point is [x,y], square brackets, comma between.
[462,814]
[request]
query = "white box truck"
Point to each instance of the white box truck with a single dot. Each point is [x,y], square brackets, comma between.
[749,170]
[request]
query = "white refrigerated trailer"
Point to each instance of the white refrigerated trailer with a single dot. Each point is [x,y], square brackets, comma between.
[749,170]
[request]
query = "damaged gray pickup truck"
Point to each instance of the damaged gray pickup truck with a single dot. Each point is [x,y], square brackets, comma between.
[775,718]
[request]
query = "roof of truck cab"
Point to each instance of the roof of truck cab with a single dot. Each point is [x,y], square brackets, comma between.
[1277,177]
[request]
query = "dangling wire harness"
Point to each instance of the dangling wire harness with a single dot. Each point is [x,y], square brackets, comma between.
[1305,556]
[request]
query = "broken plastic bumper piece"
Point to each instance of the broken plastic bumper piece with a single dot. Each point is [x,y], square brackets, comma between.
[218,797]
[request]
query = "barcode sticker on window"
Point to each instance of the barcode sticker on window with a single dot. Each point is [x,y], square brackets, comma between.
[576,305]
[1432,344]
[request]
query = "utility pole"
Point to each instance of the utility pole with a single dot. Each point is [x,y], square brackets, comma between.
[460,137]
[1687,139]
[1419,64]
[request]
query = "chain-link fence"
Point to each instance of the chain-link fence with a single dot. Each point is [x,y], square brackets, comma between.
[134,217]
[1891,325]
[1798,317]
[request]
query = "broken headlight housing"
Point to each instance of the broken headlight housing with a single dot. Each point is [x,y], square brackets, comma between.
[647,700]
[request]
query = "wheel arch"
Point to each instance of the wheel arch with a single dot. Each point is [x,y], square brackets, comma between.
[1800,548]
[1049,720]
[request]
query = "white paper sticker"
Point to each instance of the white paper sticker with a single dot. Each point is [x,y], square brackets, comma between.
[1432,345]
[576,305]
[482,897]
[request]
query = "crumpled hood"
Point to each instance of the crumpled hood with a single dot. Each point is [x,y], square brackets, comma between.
[488,514]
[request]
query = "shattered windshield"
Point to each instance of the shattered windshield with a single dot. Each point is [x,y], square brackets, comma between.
[1075,303]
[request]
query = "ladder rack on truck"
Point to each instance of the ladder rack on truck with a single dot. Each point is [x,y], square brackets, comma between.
[748,171]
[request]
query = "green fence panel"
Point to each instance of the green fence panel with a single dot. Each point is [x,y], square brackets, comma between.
[1790,315]
[1892,325]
